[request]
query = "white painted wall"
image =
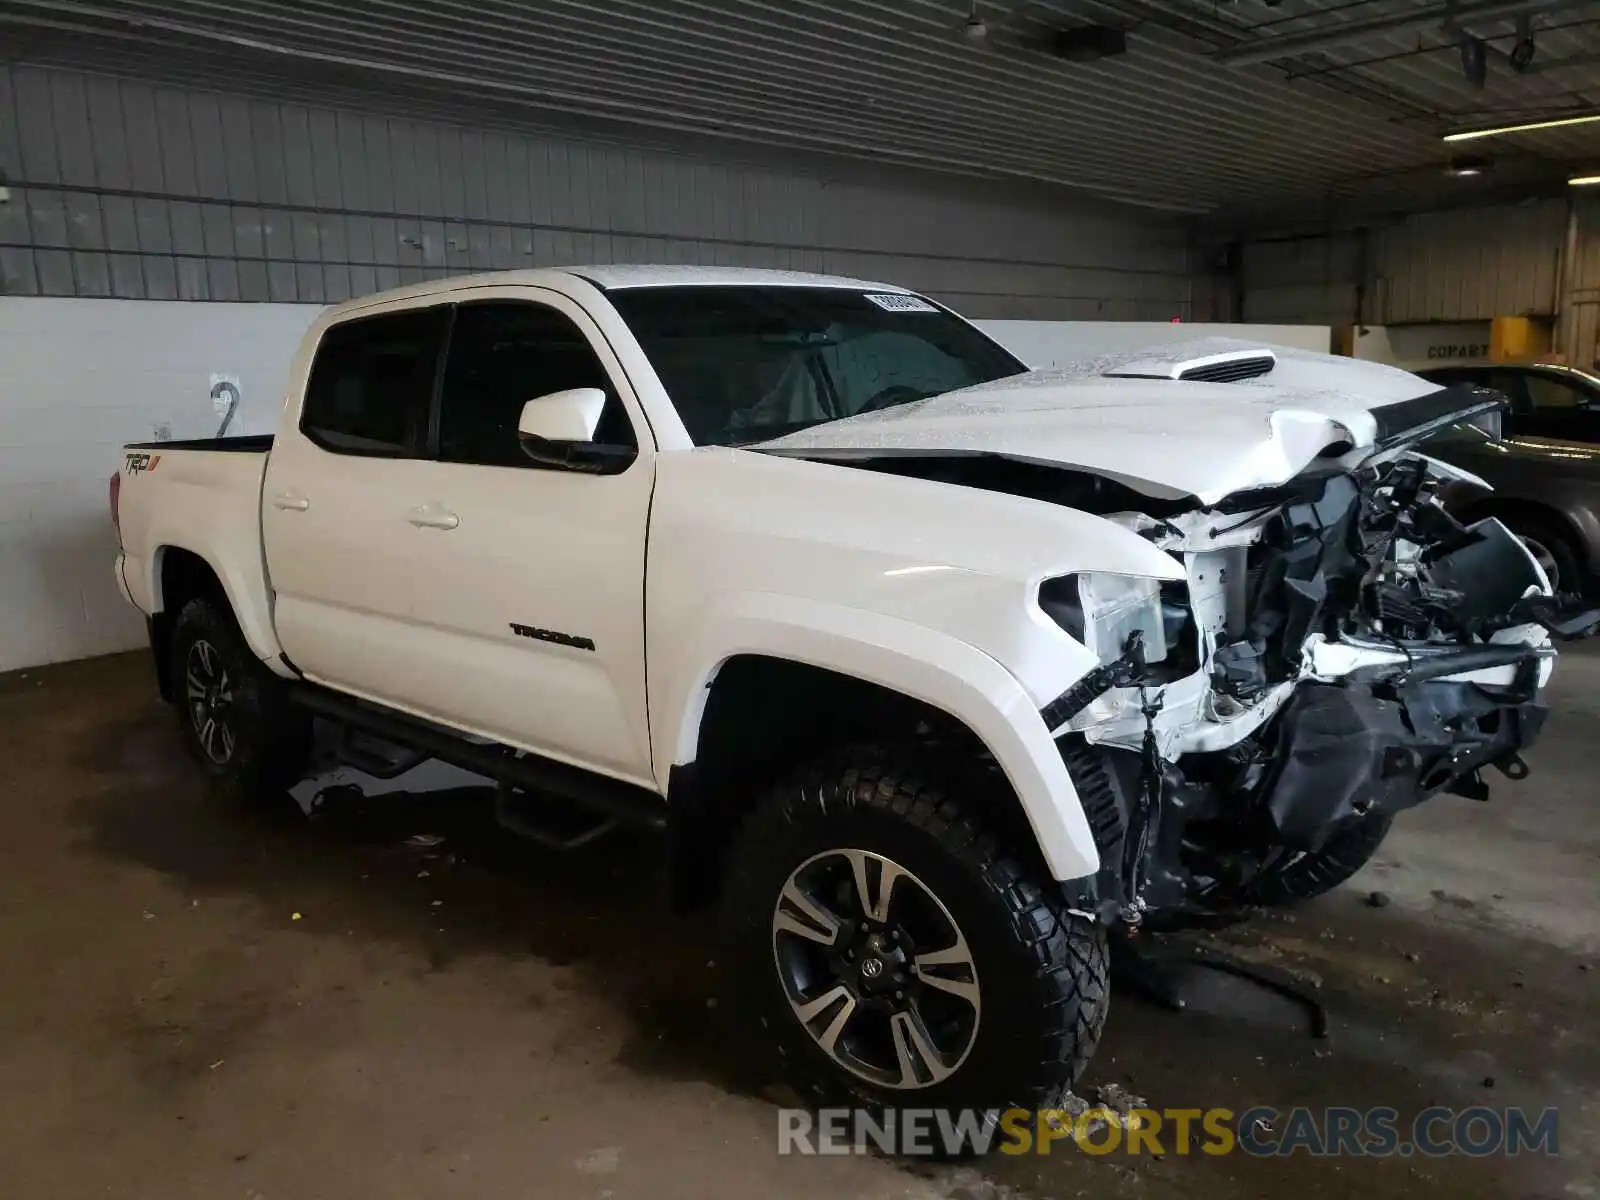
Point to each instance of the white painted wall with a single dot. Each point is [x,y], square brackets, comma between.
[1043,344]
[1418,346]
[78,378]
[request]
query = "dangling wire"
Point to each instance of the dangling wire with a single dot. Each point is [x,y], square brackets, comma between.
[1150,786]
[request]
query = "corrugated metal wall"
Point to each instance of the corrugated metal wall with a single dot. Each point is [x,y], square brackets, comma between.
[1469,264]
[1302,279]
[1463,265]
[127,189]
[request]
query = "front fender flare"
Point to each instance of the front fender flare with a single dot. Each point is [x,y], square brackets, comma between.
[934,668]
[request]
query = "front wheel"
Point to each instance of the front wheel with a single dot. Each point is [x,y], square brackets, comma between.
[235,720]
[897,954]
[1305,876]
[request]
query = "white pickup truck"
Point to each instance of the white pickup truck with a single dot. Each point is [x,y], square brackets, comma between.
[936,671]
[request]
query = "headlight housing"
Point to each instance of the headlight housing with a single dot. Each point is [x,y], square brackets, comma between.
[1102,611]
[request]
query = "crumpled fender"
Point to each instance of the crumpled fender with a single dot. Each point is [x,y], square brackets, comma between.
[937,669]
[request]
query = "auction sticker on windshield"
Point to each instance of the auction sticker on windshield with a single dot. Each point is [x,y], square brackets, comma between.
[897,303]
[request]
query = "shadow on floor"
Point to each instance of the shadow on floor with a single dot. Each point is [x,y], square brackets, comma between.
[1424,1012]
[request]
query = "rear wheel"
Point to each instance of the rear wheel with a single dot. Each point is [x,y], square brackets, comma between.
[235,720]
[896,954]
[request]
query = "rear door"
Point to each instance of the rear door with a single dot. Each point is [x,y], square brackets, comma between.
[340,549]
[529,596]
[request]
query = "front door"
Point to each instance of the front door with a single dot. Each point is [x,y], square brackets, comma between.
[529,588]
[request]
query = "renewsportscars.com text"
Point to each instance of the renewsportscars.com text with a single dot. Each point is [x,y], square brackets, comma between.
[1261,1132]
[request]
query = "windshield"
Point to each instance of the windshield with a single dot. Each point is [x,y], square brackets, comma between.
[745,364]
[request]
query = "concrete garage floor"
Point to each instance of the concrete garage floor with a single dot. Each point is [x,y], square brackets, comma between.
[511,1024]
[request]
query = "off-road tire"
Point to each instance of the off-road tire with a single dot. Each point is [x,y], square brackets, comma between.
[1314,873]
[270,738]
[1041,969]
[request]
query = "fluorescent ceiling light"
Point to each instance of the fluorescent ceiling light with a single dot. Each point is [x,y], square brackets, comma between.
[1583,181]
[1525,127]
[1464,166]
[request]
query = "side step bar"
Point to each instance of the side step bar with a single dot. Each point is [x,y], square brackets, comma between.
[624,801]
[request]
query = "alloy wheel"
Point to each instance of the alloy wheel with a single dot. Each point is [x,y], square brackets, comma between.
[208,688]
[876,969]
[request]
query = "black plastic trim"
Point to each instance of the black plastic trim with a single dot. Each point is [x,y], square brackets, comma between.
[244,443]
[160,659]
[1475,658]
[430,446]
[626,801]
[1232,370]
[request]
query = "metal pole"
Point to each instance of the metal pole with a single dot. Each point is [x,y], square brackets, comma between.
[1566,276]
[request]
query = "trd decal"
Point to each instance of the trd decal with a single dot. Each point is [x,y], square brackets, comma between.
[550,635]
[139,464]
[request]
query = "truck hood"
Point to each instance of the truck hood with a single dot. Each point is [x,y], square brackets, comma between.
[1138,420]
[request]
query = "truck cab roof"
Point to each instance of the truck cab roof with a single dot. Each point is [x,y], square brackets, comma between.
[612,277]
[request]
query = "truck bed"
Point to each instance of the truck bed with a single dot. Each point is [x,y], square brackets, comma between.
[203,497]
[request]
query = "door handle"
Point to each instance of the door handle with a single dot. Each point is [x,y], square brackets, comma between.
[291,502]
[432,516]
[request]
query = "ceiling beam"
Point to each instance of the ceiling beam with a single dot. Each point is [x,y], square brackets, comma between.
[1452,15]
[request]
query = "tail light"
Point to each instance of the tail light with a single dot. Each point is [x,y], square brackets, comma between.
[114,490]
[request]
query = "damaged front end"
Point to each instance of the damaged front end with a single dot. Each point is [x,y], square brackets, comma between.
[1342,650]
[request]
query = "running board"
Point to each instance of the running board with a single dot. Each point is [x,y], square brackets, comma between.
[625,802]
[375,756]
[550,825]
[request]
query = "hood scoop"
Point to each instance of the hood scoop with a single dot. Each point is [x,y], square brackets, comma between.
[1230,366]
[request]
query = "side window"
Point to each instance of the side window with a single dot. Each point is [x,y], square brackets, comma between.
[503,354]
[1547,391]
[371,384]
[1510,385]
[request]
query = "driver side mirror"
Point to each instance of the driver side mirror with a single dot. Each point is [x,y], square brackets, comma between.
[557,430]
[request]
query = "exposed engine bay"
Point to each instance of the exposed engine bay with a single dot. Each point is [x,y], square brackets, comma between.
[1343,650]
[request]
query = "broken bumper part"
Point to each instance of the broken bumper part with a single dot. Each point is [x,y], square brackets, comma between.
[1353,751]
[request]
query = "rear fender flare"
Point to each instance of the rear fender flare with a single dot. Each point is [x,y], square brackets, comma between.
[254,621]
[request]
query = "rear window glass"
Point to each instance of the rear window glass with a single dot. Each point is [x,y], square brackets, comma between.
[371,383]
